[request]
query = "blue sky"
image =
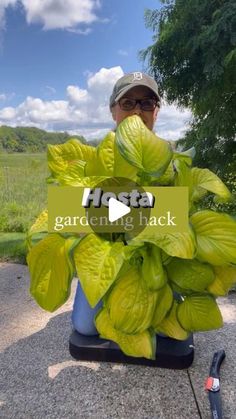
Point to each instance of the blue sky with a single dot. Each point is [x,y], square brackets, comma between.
[60,58]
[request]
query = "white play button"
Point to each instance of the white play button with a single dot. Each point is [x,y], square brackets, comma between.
[117,210]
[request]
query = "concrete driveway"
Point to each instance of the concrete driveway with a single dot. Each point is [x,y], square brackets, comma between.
[39,379]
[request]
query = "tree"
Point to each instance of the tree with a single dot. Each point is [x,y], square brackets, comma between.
[31,139]
[193,59]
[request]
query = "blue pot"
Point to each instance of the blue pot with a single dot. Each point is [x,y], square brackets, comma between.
[83,315]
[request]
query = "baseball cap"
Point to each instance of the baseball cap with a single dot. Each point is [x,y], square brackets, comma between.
[126,82]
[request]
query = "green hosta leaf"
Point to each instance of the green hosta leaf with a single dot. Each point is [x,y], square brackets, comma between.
[190,274]
[204,180]
[180,291]
[216,237]
[133,248]
[186,155]
[130,303]
[122,272]
[88,181]
[97,262]
[152,270]
[133,254]
[40,225]
[105,155]
[74,172]
[171,327]
[166,179]
[110,162]
[199,313]
[70,245]
[164,303]
[183,177]
[166,259]
[122,167]
[225,278]
[138,345]
[51,271]
[61,156]
[182,245]
[179,159]
[141,147]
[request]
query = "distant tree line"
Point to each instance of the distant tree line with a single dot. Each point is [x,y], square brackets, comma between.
[33,140]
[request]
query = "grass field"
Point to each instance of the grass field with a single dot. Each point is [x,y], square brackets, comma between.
[23,195]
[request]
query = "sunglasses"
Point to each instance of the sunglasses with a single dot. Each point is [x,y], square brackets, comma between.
[128,104]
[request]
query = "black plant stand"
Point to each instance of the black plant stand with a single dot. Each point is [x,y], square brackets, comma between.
[170,353]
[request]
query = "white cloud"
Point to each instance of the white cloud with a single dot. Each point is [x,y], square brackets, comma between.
[56,14]
[123,52]
[7,115]
[4,97]
[60,13]
[50,90]
[172,122]
[80,31]
[104,79]
[3,5]
[77,96]
[85,111]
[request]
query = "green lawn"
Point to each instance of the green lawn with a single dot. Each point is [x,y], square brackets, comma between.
[23,190]
[13,247]
[23,195]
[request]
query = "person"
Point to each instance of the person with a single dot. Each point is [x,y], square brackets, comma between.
[133,94]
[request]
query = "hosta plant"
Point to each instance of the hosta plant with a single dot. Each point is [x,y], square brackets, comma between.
[151,283]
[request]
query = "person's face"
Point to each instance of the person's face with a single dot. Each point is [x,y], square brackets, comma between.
[137,92]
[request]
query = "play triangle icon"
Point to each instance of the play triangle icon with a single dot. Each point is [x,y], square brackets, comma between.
[116,210]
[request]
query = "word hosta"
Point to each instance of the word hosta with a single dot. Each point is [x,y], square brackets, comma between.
[160,283]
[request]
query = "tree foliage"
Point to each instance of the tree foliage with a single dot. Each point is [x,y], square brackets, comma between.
[193,59]
[31,139]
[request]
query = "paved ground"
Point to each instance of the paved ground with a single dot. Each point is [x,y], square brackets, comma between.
[39,379]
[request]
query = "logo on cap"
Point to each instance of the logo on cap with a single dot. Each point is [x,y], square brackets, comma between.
[137,76]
